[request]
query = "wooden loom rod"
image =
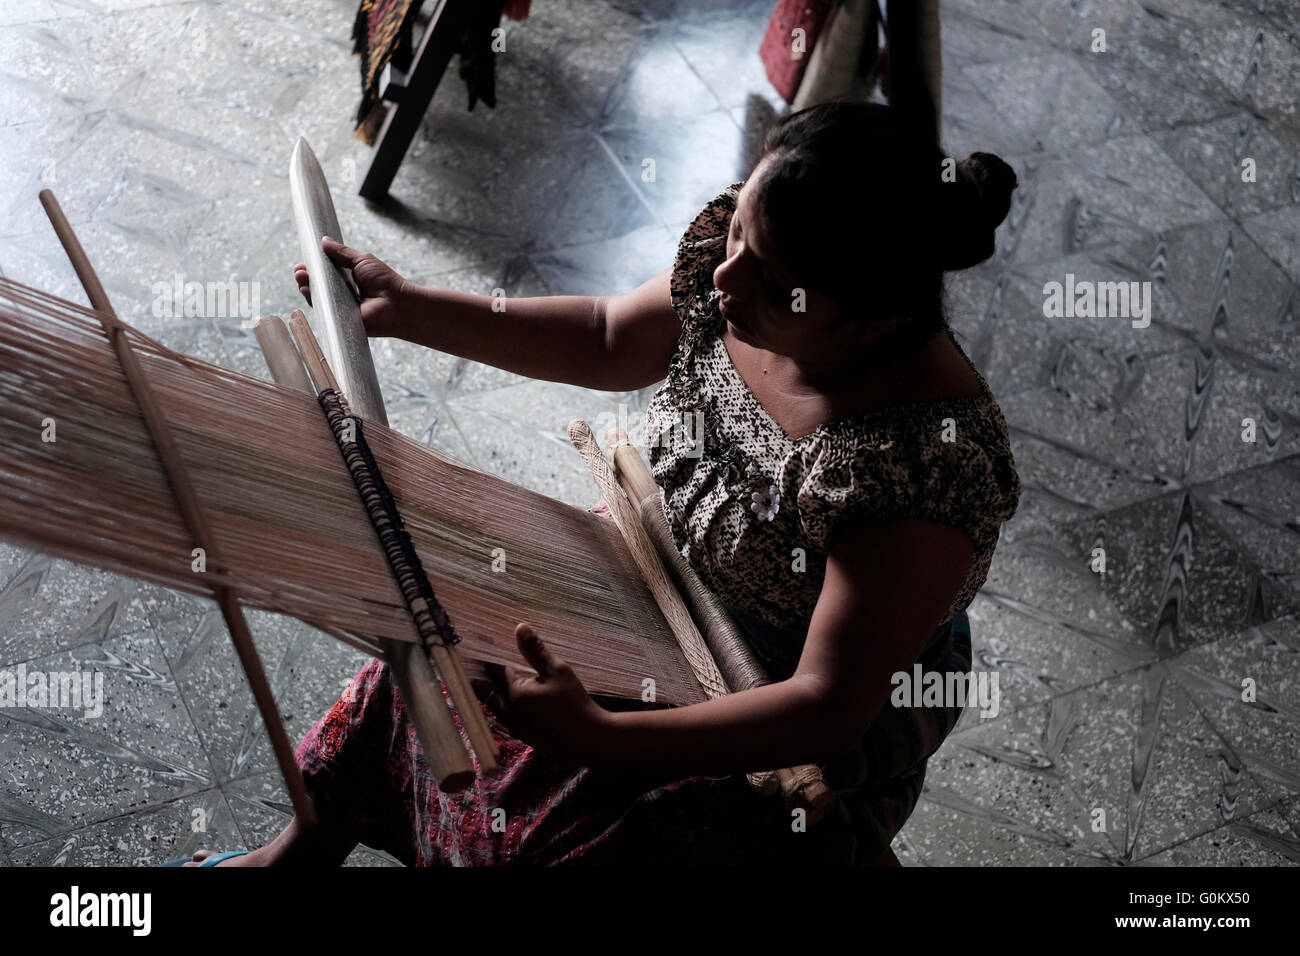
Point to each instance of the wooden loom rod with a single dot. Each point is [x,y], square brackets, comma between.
[640,487]
[739,666]
[281,357]
[802,785]
[647,561]
[450,750]
[443,747]
[188,504]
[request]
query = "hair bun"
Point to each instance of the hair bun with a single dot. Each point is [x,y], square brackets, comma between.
[994,180]
[982,201]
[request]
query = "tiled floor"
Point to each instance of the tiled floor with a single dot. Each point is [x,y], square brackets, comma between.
[166,128]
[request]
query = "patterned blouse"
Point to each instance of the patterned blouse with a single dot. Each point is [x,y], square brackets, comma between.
[754,510]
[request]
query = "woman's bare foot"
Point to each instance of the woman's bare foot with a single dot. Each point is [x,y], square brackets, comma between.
[324,844]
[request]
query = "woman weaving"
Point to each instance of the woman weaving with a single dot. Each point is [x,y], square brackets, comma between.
[854,475]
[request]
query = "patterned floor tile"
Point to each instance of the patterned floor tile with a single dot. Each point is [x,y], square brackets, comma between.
[131,745]
[1246,685]
[147,838]
[1262,839]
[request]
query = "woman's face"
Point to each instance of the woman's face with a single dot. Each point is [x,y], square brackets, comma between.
[761,300]
[759,296]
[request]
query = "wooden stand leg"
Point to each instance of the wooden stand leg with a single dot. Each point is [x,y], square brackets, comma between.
[912,31]
[440,39]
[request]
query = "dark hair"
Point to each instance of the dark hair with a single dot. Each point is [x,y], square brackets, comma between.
[857,205]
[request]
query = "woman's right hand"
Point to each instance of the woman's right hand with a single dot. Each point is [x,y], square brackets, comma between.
[382,289]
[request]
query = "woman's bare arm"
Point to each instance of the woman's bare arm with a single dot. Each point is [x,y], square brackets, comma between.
[614,343]
[886,589]
[641,330]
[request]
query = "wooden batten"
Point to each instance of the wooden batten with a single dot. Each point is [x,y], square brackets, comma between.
[188,504]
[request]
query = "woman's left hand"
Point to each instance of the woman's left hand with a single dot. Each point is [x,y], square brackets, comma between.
[550,710]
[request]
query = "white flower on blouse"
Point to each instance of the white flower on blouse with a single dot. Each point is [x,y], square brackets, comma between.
[765,505]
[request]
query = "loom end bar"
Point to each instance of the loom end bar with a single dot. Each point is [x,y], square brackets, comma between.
[630,467]
[281,356]
[804,787]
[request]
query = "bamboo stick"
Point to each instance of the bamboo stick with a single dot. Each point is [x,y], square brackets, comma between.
[665,593]
[286,367]
[281,356]
[737,661]
[191,513]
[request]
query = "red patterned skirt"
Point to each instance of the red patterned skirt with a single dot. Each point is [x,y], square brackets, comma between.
[363,764]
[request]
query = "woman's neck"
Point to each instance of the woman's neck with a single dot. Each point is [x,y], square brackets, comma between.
[850,384]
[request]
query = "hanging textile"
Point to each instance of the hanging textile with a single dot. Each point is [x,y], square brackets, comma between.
[784,53]
[382,32]
[382,28]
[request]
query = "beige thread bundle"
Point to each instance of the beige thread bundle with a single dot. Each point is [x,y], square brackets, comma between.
[265,467]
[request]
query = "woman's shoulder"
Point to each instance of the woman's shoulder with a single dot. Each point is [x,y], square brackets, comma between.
[947,460]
